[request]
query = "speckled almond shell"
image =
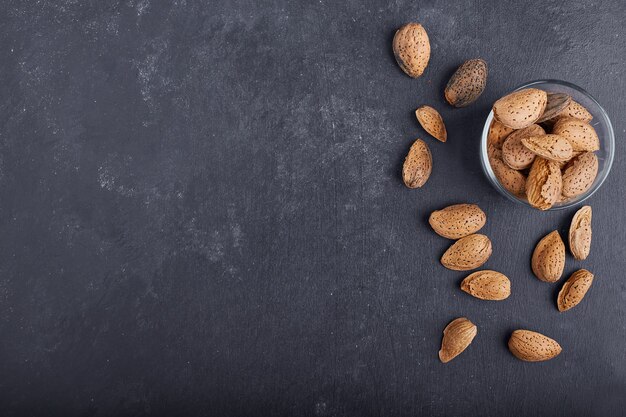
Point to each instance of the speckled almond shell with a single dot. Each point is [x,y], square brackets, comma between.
[531,346]
[557,102]
[513,181]
[411,48]
[487,285]
[548,258]
[579,174]
[581,135]
[497,134]
[521,108]
[576,110]
[552,147]
[457,336]
[544,184]
[514,153]
[457,221]
[574,289]
[418,165]
[432,122]
[580,233]
[467,83]
[467,253]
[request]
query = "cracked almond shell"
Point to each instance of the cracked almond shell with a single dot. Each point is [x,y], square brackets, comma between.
[514,153]
[548,260]
[579,174]
[467,253]
[418,165]
[432,122]
[544,183]
[552,147]
[520,108]
[411,48]
[497,134]
[467,83]
[574,289]
[531,346]
[580,233]
[457,336]
[487,285]
[581,135]
[457,221]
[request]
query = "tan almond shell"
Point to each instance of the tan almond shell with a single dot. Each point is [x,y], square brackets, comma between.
[520,108]
[513,181]
[457,336]
[574,289]
[411,47]
[580,233]
[432,122]
[544,184]
[514,153]
[579,174]
[418,165]
[581,135]
[487,285]
[548,260]
[457,221]
[467,83]
[552,147]
[467,253]
[531,346]
[576,110]
[557,102]
[497,134]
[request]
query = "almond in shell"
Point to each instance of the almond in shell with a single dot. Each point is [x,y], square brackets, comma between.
[487,285]
[467,83]
[581,135]
[411,48]
[557,102]
[552,147]
[544,183]
[418,165]
[576,110]
[432,122]
[457,336]
[512,180]
[548,258]
[531,346]
[457,221]
[580,233]
[574,289]
[514,153]
[579,174]
[497,134]
[521,108]
[467,253]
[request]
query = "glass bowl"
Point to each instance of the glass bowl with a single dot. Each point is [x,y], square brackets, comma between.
[600,122]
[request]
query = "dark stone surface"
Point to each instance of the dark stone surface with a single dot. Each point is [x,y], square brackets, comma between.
[201,211]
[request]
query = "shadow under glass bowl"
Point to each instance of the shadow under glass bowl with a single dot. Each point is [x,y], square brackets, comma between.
[600,123]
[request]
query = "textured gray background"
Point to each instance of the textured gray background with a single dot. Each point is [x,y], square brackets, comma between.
[201,211]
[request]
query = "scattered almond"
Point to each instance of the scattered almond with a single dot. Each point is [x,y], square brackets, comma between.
[457,221]
[411,48]
[574,289]
[580,233]
[418,165]
[467,83]
[581,135]
[467,253]
[548,258]
[544,184]
[487,285]
[579,174]
[457,336]
[521,108]
[532,346]
[552,147]
[431,121]
[514,153]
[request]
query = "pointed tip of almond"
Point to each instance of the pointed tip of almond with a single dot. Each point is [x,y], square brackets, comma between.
[432,122]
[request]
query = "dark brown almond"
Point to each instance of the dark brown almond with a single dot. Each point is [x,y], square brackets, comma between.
[557,102]
[467,83]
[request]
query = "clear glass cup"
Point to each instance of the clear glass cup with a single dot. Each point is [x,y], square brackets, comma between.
[600,122]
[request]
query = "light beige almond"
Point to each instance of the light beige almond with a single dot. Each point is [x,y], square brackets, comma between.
[457,221]
[514,153]
[497,134]
[467,253]
[467,83]
[521,108]
[548,259]
[557,102]
[418,165]
[581,135]
[431,121]
[544,183]
[457,336]
[574,289]
[579,174]
[531,346]
[411,48]
[513,181]
[576,110]
[552,147]
[487,285]
[580,233]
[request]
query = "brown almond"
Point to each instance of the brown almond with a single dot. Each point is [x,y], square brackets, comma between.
[431,121]
[574,289]
[457,336]
[579,174]
[531,346]
[467,83]
[497,134]
[544,183]
[552,147]
[580,233]
[467,253]
[457,221]
[557,102]
[548,258]
[576,110]
[487,285]
[521,108]
[411,48]
[418,165]
[513,181]
[514,153]
[581,135]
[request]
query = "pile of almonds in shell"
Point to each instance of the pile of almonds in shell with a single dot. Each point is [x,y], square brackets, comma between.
[541,147]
